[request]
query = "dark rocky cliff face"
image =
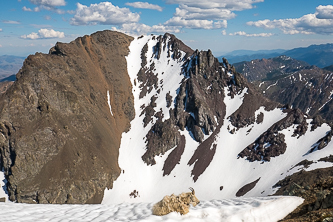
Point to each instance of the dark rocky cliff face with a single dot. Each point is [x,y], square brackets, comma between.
[58,139]
[198,107]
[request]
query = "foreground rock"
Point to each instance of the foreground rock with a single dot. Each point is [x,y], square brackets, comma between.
[58,139]
[315,187]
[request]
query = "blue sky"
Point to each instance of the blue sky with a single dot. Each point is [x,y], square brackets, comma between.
[29,26]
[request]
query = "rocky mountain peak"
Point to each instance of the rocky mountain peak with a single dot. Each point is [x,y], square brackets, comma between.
[59,140]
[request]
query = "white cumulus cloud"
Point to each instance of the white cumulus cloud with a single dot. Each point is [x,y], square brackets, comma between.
[320,22]
[44,34]
[50,5]
[144,5]
[200,18]
[212,14]
[221,24]
[189,12]
[324,12]
[26,9]
[139,29]
[192,24]
[103,13]
[233,5]
[195,23]
[242,33]
[0,30]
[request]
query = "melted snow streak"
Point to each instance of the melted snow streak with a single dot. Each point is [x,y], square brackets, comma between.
[108,94]
[269,209]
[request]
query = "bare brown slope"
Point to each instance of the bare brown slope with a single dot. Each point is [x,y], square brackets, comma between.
[59,142]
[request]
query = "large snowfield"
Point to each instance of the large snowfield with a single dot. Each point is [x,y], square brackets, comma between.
[227,170]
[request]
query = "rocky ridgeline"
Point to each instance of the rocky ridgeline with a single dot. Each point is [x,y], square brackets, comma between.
[58,140]
[270,69]
[199,107]
[197,104]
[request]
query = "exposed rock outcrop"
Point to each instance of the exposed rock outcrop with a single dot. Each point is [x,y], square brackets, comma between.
[271,143]
[315,187]
[323,142]
[246,188]
[198,105]
[162,137]
[5,85]
[58,140]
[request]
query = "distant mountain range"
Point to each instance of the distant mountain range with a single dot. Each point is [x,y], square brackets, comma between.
[10,65]
[269,69]
[319,55]
[330,68]
[290,81]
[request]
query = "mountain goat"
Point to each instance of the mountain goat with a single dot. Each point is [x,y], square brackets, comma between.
[173,203]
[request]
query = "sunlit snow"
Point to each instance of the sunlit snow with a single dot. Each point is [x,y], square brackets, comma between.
[2,186]
[269,209]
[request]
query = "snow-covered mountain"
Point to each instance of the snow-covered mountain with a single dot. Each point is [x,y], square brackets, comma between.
[198,124]
[133,119]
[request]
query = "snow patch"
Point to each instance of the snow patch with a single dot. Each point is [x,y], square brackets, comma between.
[232,104]
[3,188]
[308,110]
[269,209]
[272,85]
[329,99]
